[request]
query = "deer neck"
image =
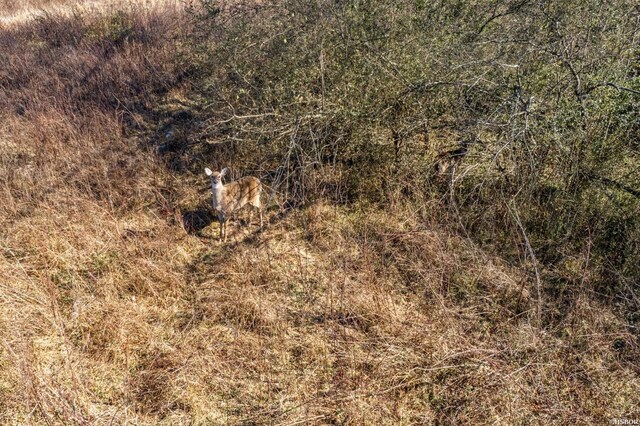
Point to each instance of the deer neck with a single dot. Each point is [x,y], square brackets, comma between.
[218,195]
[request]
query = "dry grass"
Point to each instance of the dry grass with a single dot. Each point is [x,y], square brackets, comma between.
[113,310]
[16,12]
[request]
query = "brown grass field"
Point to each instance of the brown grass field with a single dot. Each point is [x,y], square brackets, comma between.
[118,305]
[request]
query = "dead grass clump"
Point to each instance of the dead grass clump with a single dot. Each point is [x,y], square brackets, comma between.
[13,6]
[251,313]
[152,386]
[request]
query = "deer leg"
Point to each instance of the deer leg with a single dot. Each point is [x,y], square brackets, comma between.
[260,210]
[451,180]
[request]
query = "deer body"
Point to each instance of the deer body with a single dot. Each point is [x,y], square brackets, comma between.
[447,162]
[233,196]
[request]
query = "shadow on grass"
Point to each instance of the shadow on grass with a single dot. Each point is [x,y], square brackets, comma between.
[196,220]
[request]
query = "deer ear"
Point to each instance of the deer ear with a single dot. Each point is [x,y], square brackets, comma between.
[208,171]
[224,171]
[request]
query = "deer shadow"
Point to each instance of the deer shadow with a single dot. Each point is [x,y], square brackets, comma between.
[196,220]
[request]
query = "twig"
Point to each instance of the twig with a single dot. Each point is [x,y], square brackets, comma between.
[518,222]
[244,117]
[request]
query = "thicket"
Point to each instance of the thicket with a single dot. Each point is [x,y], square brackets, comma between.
[355,101]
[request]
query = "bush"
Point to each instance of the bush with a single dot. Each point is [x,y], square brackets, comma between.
[355,101]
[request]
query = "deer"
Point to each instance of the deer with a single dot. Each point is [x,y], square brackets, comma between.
[231,197]
[448,161]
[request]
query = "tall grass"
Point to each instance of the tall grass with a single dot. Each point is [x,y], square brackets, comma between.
[118,307]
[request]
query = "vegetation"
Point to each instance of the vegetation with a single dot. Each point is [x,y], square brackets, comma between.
[454,203]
